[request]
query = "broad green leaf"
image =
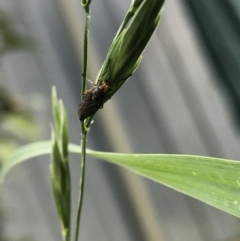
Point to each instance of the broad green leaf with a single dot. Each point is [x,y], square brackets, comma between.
[211,180]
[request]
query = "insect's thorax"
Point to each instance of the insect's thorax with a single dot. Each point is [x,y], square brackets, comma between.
[99,92]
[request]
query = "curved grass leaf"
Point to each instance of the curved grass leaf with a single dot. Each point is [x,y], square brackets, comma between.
[212,180]
[23,154]
[28,152]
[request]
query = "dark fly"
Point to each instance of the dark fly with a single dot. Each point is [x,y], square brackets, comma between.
[93,100]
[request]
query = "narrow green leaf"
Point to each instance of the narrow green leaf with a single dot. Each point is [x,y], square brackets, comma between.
[128,44]
[211,180]
[59,167]
[55,108]
[64,131]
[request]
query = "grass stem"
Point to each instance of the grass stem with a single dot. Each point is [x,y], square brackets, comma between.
[84,129]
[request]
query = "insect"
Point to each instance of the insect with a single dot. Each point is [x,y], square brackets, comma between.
[93,100]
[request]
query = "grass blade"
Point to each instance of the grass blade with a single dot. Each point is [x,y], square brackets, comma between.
[212,180]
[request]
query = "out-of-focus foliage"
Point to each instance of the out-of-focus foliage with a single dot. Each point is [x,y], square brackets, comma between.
[10,39]
[218,24]
[16,123]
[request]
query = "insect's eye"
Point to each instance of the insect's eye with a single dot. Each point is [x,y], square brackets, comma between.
[104,87]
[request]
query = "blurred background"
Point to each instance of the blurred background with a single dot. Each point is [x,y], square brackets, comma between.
[184,98]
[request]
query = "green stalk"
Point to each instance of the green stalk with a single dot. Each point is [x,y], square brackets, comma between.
[85,48]
[67,235]
[84,128]
[81,184]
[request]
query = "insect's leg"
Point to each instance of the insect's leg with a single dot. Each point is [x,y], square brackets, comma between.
[101,106]
[88,92]
[88,80]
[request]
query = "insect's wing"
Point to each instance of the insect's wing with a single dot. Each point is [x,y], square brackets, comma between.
[88,107]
